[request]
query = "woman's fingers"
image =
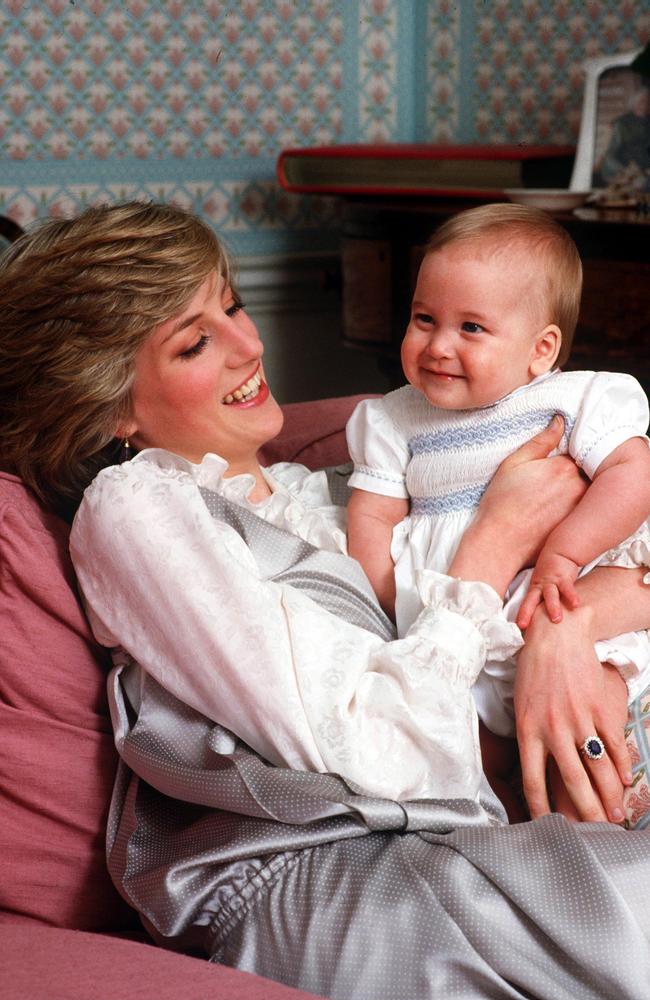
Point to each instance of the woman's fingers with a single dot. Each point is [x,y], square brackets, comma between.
[584,795]
[593,786]
[539,446]
[607,783]
[532,755]
[592,789]
[572,774]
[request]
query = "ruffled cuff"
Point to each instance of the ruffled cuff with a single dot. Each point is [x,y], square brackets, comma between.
[477,603]
[632,552]
[473,615]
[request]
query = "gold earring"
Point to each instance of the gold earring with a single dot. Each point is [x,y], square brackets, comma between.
[126,451]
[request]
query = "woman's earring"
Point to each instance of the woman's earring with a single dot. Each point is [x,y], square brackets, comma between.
[126,451]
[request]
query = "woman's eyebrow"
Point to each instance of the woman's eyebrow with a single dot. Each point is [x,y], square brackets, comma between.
[181,324]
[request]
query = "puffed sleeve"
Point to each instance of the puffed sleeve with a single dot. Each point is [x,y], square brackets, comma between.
[614,409]
[379,453]
[182,594]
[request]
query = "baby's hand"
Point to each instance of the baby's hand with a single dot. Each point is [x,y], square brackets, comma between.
[553,583]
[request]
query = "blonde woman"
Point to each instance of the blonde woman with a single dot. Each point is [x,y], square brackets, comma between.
[282,805]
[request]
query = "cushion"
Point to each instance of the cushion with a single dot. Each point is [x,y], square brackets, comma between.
[40,963]
[58,761]
[313,433]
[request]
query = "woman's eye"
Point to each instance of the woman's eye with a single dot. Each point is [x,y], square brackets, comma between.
[195,349]
[472,327]
[234,308]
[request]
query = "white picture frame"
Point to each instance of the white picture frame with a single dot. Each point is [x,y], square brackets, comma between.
[610,86]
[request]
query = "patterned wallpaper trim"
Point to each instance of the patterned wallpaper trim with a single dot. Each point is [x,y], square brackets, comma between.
[442,72]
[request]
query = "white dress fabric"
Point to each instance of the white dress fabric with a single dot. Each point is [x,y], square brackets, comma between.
[181,593]
[443,460]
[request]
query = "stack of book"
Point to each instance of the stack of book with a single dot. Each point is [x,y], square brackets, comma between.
[421,169]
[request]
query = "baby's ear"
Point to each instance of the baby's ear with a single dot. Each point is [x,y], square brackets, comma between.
[546,348]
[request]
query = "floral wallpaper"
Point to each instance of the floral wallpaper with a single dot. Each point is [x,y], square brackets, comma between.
[511,70]
[179,99]
[174,79]
[192,100]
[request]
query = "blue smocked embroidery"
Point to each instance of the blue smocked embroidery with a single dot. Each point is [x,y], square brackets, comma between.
[450,503]
[480,435]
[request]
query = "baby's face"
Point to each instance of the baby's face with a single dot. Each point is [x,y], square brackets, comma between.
[472,333]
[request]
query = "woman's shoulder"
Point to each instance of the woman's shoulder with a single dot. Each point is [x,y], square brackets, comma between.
[153,486]
[151,504]
[150,468]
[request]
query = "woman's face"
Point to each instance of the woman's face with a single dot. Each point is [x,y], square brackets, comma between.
[199,384]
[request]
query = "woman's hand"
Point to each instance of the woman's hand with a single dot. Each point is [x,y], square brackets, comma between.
[527,497]
[562,696]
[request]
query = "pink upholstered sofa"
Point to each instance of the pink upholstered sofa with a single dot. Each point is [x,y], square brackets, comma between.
[64,930]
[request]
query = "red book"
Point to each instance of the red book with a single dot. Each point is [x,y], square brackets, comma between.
[417,169]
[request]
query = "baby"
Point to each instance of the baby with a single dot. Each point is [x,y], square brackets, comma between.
[493,315]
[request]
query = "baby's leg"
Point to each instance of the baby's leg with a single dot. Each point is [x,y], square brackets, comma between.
[500,760]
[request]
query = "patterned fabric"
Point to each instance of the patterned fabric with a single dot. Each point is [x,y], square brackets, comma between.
[438,453]
[296,876]
[284,558]
[443,461]
[236,638]
[637,732]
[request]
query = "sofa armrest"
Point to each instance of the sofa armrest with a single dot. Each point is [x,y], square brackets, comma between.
[42,962]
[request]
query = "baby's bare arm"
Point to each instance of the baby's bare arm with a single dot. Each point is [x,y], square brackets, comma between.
[371,519]
[614,506]
[616,503]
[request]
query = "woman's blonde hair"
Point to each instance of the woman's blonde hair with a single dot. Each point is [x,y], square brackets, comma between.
[550,252]
[77,299]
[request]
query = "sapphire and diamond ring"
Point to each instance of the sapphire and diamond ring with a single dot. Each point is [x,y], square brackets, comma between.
[593,748]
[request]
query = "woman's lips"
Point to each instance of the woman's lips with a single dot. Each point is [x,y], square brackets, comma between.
[253,397]
[256,400]
[246,392]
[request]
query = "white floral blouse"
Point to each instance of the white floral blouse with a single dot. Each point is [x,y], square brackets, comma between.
[182,594]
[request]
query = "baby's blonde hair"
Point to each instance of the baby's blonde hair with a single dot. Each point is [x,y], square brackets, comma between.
[551,254]
[77,299]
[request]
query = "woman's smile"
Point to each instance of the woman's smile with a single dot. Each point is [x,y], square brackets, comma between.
[212,400]
[248,391]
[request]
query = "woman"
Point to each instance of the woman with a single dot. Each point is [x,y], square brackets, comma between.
[225,588]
